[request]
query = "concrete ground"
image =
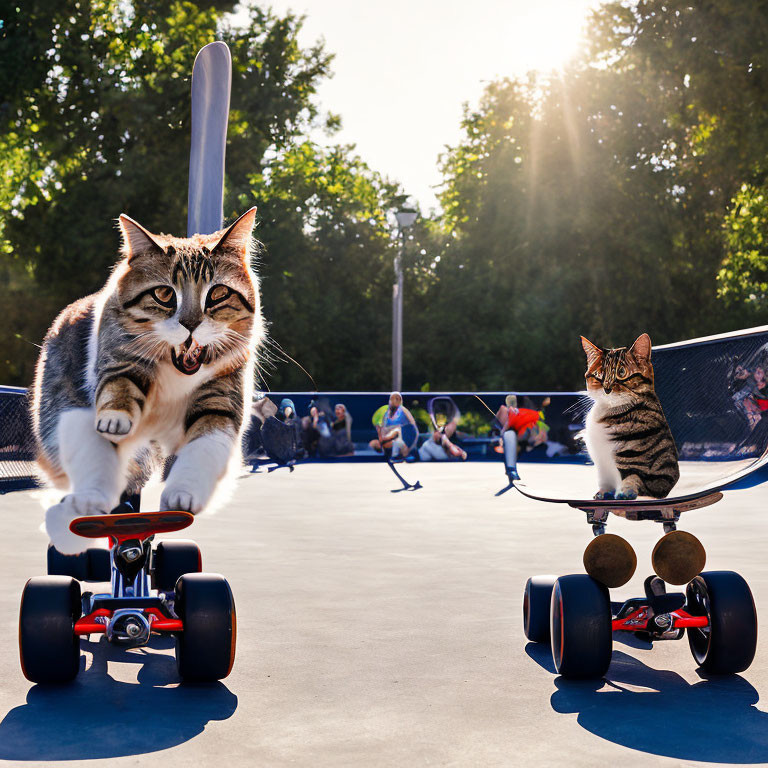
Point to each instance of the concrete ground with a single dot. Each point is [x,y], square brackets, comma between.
[379,629]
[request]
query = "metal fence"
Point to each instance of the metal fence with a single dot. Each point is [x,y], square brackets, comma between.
[17,446]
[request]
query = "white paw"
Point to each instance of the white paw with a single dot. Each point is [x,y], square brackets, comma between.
[59,516]
[180,499]
[114,425]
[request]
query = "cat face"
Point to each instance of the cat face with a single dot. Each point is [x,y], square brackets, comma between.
[621,371]
[189,301]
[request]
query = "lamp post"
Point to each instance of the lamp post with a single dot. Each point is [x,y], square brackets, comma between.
[405,219]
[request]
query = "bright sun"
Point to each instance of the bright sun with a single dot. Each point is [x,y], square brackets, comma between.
[548,35]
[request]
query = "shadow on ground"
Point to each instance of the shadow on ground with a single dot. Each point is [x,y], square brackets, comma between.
[98,716]
[714,720]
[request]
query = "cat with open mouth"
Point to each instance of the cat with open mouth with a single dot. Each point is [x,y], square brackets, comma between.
[159,362]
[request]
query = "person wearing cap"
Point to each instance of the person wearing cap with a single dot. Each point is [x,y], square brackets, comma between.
[286,409]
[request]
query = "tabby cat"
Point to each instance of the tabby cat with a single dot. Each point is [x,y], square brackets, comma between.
[160,361]
[627,434]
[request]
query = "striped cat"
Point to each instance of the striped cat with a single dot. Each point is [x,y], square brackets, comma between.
[159,362]
[627,435]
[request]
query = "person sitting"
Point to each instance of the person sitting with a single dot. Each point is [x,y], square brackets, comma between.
[261,409]
[440,447]
[518,425]
[339,442]
[390,431]
[281,434]
[316,426]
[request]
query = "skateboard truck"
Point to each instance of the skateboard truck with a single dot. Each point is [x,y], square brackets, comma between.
[130,557]
[128,625]
[597,518]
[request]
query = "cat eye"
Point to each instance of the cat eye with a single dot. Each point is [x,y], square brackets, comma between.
[217,294]
[622,372]
[165,295]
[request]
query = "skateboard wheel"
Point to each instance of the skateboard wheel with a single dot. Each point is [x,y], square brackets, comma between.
[536,602]
[99,564]
[610,560]
[172,560]
[48,647]
[205,648]
[92,565]
[678,557]
[581,629]
[728,645]
[75,566]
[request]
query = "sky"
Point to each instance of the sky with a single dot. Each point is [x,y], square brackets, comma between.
[404,68]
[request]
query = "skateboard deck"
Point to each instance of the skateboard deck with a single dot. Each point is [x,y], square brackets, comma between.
[701,485]
[132,524]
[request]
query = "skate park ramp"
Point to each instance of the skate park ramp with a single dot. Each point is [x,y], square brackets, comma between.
[714,392]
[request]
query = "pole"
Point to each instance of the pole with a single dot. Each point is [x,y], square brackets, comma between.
[397,318]
[211,81]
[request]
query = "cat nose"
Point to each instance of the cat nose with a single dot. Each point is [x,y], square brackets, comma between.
[189,324]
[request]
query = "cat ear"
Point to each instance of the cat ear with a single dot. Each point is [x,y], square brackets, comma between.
[592,352]
[642,347]
[136,239]
[238,235]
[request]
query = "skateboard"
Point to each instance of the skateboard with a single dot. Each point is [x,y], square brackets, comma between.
[575,615]
[153,591]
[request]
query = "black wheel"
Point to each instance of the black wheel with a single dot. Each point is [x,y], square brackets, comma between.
[536,603]
[92,565]
[581,630]
[728,645]
[205,648]
[99,564]
[75,566]
[48,646]
[172,560]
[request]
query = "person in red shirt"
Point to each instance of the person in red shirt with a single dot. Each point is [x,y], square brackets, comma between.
[518,424]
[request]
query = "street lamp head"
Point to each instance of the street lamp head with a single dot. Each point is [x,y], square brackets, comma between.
[405,219]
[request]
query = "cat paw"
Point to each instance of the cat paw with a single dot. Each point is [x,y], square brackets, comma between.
[604,495]
[114,425]
[628,494]
[180,500]
[59,516]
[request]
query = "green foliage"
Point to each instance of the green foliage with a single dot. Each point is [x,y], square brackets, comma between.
[327,272]
[94,121]
[625,194]
[744,276]
[592,201]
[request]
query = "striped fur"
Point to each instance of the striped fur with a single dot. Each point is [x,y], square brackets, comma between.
[627,434]
[161,358]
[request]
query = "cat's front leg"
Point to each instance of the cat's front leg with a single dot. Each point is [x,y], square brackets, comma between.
[600,449]
[212,428]
[198,468]
[119,403]
[629,488]
[95,473]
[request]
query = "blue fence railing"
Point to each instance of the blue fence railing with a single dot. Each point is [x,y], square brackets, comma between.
[714,392]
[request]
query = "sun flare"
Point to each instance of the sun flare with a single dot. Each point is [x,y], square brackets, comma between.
[548,36]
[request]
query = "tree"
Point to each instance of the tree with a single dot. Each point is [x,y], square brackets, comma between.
[95,121]
[592,201]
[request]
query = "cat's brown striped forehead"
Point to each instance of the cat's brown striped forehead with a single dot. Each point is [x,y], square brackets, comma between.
[186,262]
[619,368]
